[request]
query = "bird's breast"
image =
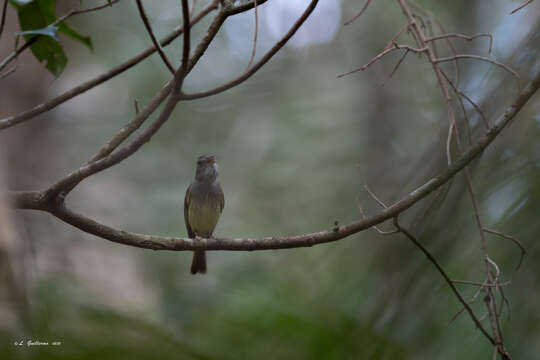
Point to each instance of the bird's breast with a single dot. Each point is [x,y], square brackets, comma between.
[203,215]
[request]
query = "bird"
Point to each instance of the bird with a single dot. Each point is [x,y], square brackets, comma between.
[203,205]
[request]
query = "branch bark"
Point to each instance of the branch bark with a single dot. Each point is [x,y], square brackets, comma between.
[36,201]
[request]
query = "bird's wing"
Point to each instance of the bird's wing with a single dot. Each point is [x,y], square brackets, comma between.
[221,199]
[187,201]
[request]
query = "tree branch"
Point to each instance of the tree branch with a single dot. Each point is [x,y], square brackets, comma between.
[156,43]
[87,85]
[246,75]
[36,201]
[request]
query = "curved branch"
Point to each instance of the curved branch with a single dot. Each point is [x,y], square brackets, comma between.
[36,201]
[87,85]
[246,75]
[156,43]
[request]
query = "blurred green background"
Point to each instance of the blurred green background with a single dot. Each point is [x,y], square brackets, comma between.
[295,145]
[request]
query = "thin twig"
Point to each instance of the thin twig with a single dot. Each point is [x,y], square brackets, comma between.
[192,8]
[475,283]
[99,7]
[396,67]
[463,95]
[379,201]
[481,58]
[255,34]
[514,240]
[462,36]
[183,70]
[375,227]
[382,54]
[446,278]
[156,43]
[9,72]
[258,64]
[15,53]
[366,4]
[521,7]
[3,19]
[89,84]
[37,201]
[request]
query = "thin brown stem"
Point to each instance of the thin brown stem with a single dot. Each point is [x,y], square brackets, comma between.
[37,201]
[382,54]
[100,79]
[446,278]
[3,17]
[481,58]
[366,4]
[521,7]
[462,36]
[255,34]
[514,240]
[246,75]
[156,43]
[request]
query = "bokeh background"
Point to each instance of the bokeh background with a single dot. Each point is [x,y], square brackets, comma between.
[295,145]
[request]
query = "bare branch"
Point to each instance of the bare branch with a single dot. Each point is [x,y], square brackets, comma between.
[3,19]
[87,85]
[382,54]
[521,7]
[463,95]
[359,14]
[8,72]
[109,3]
[260,63]
[156,43]
[183,70]
[105,158]
[481,58]
[462,36]
[474,283]
[255,34]
[514,240]
[15,53]
[446,278]
[37,201]
[400,61]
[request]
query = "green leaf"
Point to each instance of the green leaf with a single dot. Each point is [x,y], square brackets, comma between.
[86,40]
[35,19]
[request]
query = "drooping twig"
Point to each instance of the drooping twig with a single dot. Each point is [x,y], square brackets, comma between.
[445,276]
[514,240]
[366,4]
[255,34]
[269,54]
[459,93]
[481,58]
[156,43]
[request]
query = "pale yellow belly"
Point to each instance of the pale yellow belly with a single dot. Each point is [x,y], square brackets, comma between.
[203,218]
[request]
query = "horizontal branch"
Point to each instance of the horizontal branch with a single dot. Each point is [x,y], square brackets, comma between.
[36,201]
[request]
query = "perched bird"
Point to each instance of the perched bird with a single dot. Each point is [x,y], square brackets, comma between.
[203,205]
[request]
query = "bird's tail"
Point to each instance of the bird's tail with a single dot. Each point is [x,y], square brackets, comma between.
[198,264]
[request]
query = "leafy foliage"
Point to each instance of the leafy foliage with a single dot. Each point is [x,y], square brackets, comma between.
[37,18]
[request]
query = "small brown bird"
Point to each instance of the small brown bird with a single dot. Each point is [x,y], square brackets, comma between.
[203,205]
